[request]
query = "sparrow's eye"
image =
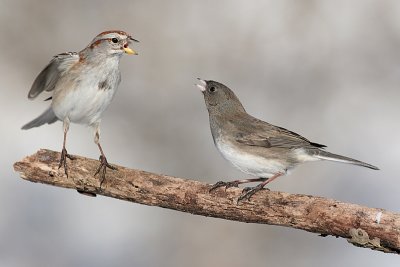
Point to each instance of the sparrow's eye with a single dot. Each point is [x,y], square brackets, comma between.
[212,89]
[114,40]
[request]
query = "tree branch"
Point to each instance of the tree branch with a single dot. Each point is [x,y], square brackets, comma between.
[372,228]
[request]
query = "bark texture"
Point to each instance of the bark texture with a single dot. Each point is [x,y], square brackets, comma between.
[372,228]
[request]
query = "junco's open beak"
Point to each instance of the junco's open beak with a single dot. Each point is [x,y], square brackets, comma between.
[202,85]
[130,51]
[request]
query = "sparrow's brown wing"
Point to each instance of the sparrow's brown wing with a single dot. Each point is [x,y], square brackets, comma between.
[268,135]
[48,77]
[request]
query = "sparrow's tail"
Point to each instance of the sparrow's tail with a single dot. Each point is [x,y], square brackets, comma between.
[46,117]
[320,154]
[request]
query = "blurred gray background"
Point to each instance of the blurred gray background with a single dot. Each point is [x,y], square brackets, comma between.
[329,70]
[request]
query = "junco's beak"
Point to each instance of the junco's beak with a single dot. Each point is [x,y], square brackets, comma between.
[202,85]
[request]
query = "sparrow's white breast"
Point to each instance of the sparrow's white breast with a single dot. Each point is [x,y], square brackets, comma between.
[85,98]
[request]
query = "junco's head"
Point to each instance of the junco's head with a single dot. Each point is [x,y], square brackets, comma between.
[218,97]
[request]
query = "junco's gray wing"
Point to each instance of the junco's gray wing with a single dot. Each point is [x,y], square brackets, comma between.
[268,135]
[47,79]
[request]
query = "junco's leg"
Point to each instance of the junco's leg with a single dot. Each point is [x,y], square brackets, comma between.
[248,192]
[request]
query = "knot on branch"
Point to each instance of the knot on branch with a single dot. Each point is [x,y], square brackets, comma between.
[360,237]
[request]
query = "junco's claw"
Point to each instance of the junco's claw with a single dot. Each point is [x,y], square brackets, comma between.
[226,184]
[248,192]
[232,184]
[217,185]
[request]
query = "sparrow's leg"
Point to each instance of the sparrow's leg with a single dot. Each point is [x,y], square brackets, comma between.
[236,183]
[247,193]
[101,170]
[64,154]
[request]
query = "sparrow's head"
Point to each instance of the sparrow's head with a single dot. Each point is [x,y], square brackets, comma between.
[219,98]
[111,43]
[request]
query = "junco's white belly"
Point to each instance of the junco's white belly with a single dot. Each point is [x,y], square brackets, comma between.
[248,163]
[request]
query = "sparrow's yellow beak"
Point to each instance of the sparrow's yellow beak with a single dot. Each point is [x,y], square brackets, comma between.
[130,51]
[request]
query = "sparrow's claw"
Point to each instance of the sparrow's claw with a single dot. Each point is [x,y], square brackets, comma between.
[63,160]
[102,169]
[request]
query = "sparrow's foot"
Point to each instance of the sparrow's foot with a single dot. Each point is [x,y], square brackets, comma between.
[102,169]
[63,160]
[248,192]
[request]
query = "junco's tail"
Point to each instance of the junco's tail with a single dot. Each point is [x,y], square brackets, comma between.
[333,157]
[46,117]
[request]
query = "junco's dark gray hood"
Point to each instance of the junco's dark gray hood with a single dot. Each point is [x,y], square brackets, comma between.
[219,98]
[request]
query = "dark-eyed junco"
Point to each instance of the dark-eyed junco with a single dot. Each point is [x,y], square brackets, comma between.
[256,147]
[83,85]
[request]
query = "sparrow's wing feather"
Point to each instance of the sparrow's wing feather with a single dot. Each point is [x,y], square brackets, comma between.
[268,135]
[47,79]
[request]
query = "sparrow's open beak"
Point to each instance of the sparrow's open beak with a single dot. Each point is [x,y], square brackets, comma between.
[130,51]
[130,38]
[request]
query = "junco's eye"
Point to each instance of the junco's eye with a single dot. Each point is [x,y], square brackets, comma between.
[114,40]
[212,89]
